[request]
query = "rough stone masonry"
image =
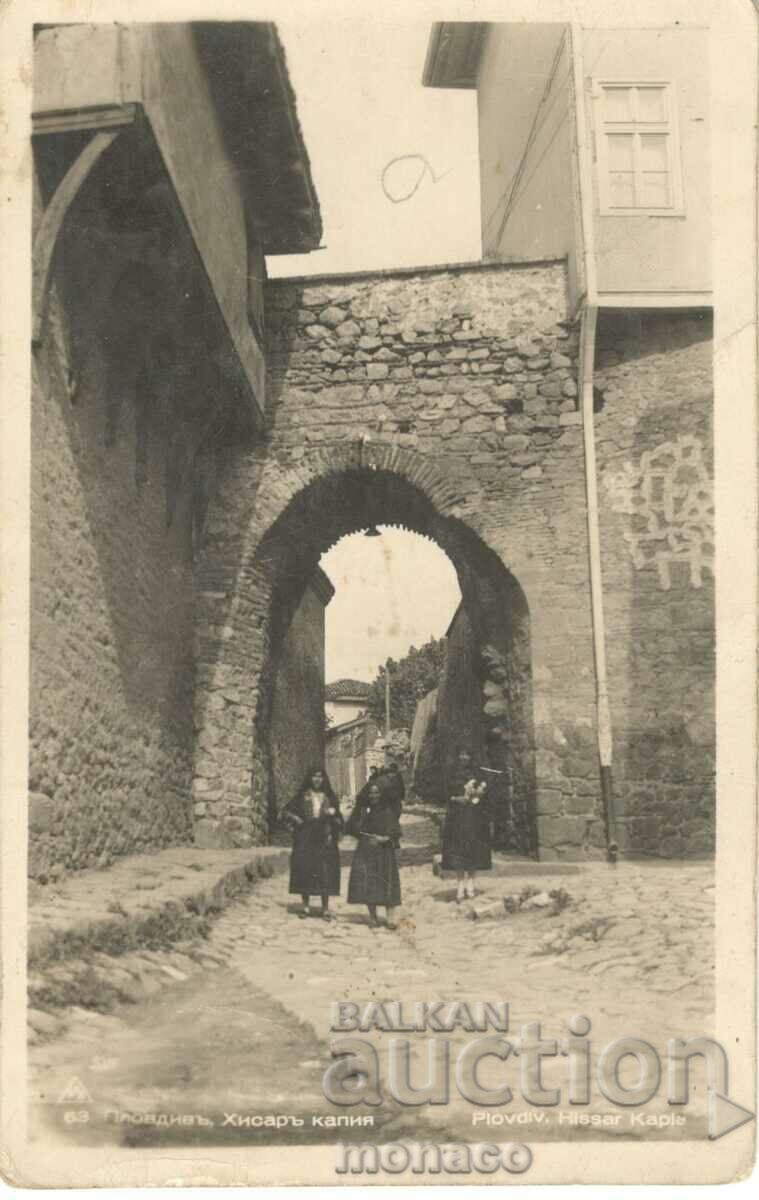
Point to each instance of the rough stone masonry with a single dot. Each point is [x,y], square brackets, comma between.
[446,401]
[442,400]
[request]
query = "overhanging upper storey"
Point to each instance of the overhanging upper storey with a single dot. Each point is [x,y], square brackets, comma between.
[215,103]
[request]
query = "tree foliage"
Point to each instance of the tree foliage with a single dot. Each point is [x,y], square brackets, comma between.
[411,678]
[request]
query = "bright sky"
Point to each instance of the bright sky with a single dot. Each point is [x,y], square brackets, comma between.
[392,592]
[361,104]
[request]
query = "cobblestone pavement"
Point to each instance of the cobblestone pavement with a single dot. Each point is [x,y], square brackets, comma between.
[246,1023]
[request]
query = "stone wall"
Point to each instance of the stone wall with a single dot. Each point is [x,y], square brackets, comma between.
[119,406]
[446,401]
[111,729]
[426,776]
[297,718]
[654,439]
[460,699]
[655,481]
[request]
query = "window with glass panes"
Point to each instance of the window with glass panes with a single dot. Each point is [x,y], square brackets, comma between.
[636,148]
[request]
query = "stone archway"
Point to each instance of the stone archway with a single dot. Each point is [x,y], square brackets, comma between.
[297,515]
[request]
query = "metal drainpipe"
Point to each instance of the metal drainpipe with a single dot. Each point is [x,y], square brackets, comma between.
[587,357]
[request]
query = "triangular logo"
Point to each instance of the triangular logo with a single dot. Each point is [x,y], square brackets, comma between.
[74,1093]
[725,1115]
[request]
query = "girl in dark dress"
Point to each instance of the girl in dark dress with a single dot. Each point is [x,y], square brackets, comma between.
[315,859]
[466,829]
[374,877]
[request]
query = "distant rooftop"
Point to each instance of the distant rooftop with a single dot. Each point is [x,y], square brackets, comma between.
[347,689]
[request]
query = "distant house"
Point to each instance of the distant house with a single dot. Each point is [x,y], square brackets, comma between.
[350,752]
[345,699]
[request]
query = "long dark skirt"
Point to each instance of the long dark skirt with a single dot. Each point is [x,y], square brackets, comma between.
[374,877]
[314,866]
[466,839]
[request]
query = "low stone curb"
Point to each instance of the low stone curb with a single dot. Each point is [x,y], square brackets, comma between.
[141,899]
[102,982]
[138,945]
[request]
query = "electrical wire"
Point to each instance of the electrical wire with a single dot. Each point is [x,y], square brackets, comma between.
[546,148]
[515,189]
[539,120]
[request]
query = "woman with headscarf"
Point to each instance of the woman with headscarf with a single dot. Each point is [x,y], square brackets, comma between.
[466,829]
[315,860]
[375,822]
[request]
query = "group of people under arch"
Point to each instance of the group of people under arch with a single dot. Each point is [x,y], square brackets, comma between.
[318,825]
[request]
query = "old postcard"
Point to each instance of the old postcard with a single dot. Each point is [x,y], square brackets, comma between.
[379,567]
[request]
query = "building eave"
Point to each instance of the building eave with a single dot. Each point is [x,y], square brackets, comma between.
[254,97]
[453,54]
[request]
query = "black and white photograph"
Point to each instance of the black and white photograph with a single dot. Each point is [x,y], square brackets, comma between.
[383,779]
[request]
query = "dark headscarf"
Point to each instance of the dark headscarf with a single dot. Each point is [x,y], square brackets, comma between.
[326,785]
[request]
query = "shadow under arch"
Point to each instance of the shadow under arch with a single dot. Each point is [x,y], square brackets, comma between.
[346,499]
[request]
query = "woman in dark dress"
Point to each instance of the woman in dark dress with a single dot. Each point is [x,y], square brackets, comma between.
[374,877]
[466,829]
[315,859]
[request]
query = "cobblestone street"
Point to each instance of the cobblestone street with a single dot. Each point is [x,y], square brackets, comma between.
[241,1023]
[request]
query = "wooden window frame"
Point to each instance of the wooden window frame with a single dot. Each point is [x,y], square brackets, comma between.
[601,127]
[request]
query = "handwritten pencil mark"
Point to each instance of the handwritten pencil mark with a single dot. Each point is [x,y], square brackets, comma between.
[399,183]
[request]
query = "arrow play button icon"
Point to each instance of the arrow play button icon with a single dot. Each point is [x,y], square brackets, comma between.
[725,1115]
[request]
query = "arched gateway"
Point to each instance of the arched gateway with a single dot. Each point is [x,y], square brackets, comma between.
[305,511]
[446,401]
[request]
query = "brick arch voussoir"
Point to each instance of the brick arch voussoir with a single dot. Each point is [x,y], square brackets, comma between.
[278,489]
